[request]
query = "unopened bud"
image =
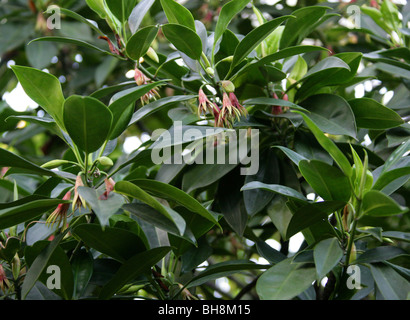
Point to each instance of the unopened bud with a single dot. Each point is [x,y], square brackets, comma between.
[152,55]
[15,266]
[54,164]
[210,71]
[105,161]
[228,86]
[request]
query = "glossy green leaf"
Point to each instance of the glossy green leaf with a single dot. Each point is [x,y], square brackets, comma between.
[254,38]
[276,188]
[117,243]
[372,115]
[131,190]
[338,69]
[327,254]
[170,192]
[331,113]
[184,39]
[329,182]
[39,265]
[376,203]
[133,267]
[78,17]
[284,281]
[227,13]
[82,265]
[138,13]
[44,89]
[103,209]
[178,14]
[292,155]
[296,29]
[58,258]
[380,254]
[98,7]
[9,159]
[223,269]
[391,285]
[121,9]
[139,43]
[88,122]
[155,218]
[310,214]
[122,107]
[25,209]
[257,198]
[328,145]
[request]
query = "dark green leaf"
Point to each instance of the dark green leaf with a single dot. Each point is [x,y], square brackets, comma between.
[121,9]
[329,182]
[39,264]
[137,265]
[372,115]
[184,39]
[88,122]
[117,243]
[284,281]
[139,43]
[391,285]
[228,11]
[170,192]
[311,214]
[296,29]
[376,203]
[254,38]
[103,209]
[178,14]
[327,254]
[331,113]
[14,213]
[138,13]
[44,89]
[380,254]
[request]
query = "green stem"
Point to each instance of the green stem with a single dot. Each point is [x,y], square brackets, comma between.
[86,168]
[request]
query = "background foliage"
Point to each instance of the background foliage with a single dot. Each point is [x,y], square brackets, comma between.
[330,100]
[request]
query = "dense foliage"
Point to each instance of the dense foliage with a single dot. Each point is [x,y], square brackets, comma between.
[323,86]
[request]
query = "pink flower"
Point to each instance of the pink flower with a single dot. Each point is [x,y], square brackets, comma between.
[204,104]
[78,201]
[141,79]
[60,213]
[4,282]
[231,110]
[109,186]
[276,109]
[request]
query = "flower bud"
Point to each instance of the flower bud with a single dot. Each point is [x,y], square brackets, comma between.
[105,161]
[15,266]
[54,164]
[210,71]
[152,55]
[228,86]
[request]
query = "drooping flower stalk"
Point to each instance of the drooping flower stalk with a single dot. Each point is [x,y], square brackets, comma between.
[60,213]
[142,79]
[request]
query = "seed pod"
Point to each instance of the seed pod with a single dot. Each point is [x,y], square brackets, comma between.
[54,164]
